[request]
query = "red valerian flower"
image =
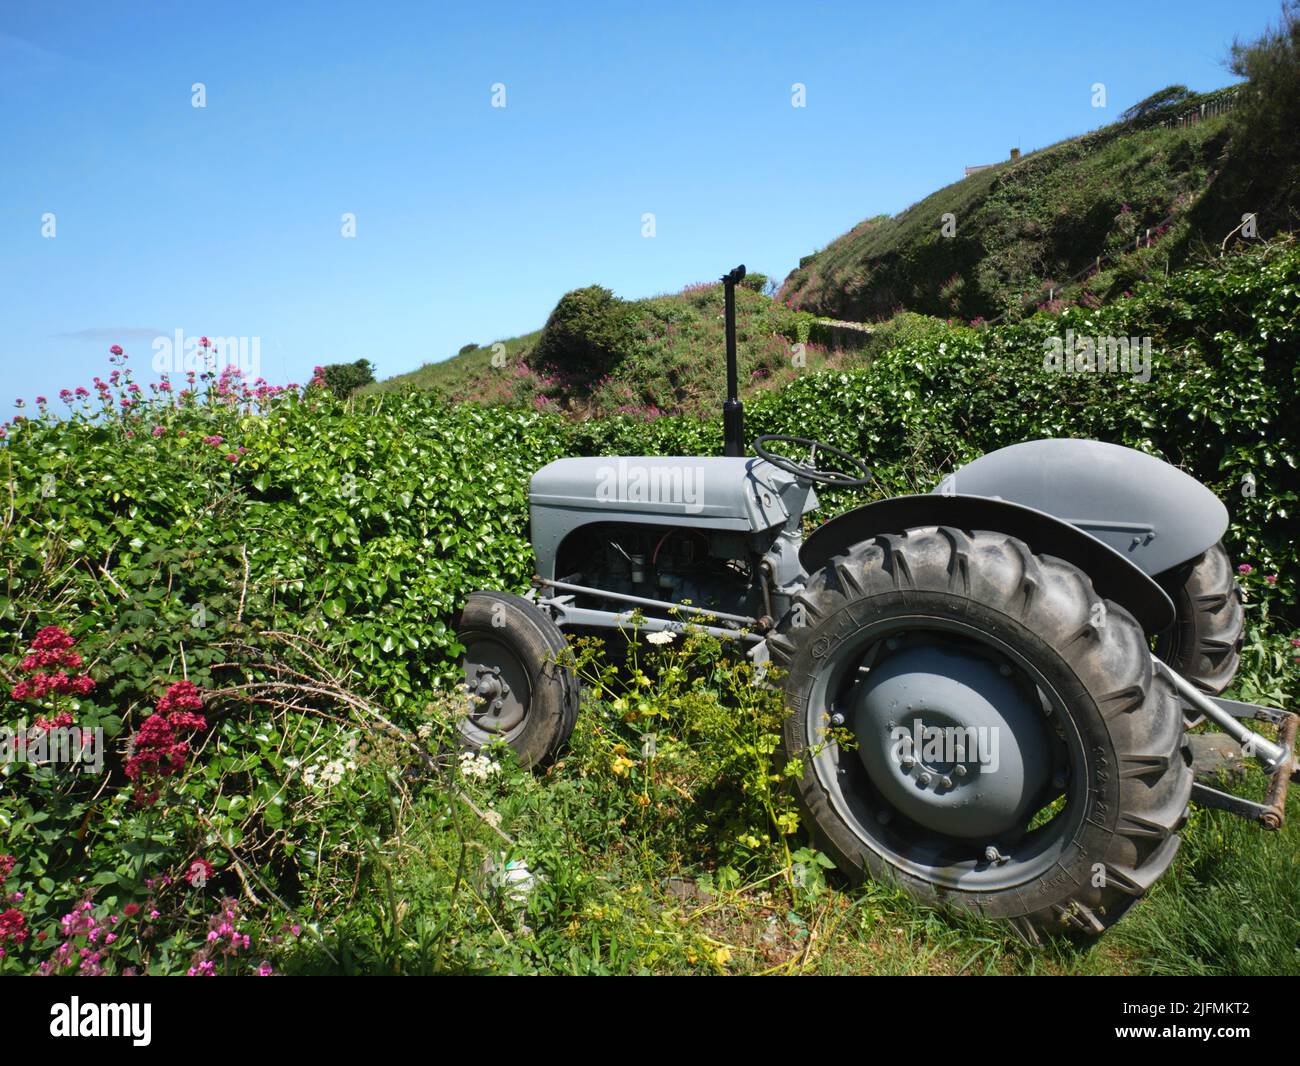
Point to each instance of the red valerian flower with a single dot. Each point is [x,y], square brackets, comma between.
[182,696]
[199,873]
[13,928]
[52,638]
[1245,568]
[116,349]
[46,664]
[131,910]
[158,749]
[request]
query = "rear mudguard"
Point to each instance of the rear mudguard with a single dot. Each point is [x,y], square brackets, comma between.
[1113,575]
[1150,512]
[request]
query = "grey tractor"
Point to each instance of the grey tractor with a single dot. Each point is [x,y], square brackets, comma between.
[990,686]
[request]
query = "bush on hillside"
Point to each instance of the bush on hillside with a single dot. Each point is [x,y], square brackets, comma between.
[588,334]
[343,379]
[1158,106]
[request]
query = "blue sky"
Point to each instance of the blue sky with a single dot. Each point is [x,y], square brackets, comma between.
[471,220]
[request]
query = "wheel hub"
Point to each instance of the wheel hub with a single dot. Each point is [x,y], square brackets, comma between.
[498,686]
[951,741]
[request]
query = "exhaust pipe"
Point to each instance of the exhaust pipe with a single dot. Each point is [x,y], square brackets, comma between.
[733,411]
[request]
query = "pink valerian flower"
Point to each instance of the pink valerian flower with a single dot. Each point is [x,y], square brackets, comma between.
[224,938]
[41,401]
[231,457]
[81,924]
[116,349]
[265,969]
[158,431]
[1245,568]
[214,441]
[1271,579]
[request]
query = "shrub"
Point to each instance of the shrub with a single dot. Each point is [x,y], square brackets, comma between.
[588,334]
[1158,105]
[343,379]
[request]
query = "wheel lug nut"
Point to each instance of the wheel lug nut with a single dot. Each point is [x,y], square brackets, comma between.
[991,854]
[945,782]
[924,780]
[959,770]
[907,762]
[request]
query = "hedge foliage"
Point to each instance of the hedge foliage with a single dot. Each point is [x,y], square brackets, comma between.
[230,535]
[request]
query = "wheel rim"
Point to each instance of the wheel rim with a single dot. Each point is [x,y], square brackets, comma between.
[500,690]
[979,831]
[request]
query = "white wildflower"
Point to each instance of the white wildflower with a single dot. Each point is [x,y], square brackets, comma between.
[662,636]
[477,766]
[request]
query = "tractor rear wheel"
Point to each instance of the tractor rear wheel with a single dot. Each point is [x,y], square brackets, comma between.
[1204,643]
[520,688]
[977,725]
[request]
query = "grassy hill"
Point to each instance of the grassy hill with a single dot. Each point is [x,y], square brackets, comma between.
[1025,227]
[672,361]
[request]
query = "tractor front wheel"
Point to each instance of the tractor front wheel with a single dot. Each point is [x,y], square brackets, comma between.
[520,689]
[975,724]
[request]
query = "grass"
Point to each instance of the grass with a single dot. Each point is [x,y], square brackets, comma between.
[635,870]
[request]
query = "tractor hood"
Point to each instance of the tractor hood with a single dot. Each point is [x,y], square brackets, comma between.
[1150,512]
[725,493]
[746,495]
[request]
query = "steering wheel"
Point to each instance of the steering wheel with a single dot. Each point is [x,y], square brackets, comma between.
[809,470]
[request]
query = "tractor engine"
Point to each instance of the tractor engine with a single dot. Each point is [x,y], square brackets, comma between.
[711,569]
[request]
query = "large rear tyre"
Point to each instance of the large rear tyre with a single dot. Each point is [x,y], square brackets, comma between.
[520,689]
[978,726]
[1204,643]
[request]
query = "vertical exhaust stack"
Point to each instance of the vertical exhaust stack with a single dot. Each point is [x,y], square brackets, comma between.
[733,411]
